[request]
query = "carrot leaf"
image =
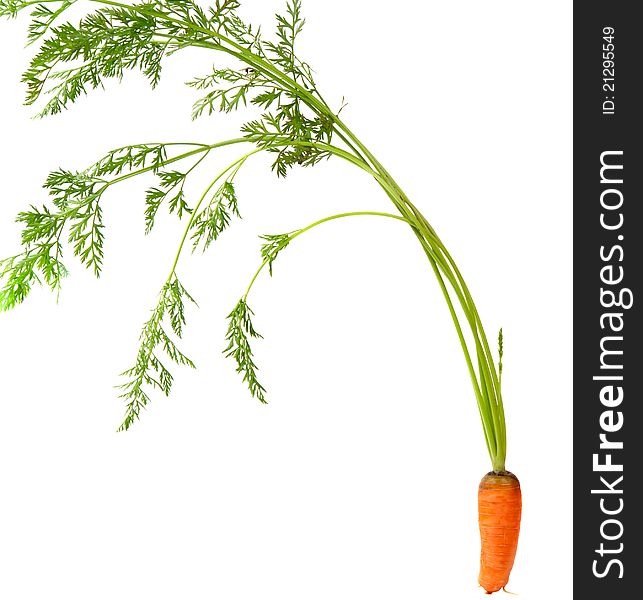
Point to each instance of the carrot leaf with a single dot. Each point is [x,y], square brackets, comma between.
[148,371]
[240,331]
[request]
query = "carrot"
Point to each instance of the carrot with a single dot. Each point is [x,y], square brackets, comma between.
[499,510]
[283,86]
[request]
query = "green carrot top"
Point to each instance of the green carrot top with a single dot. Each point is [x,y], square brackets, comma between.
[293,124]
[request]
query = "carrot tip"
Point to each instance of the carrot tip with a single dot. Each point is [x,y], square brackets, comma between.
[506,591]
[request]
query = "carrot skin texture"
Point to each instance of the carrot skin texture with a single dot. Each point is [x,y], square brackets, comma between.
[499,512]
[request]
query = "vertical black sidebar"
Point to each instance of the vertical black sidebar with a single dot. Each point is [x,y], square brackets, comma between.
[608,300]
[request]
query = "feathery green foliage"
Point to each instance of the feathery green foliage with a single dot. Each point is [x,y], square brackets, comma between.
[240,331]
[215,217]
[170,186]
[226,98]
[19,273]
[273,246]
[76,215]
[148,371]
[291,121]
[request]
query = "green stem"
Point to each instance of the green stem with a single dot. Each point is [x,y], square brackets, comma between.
[299,232]
[486,390]
[234,167]
[201,148]
[486,364]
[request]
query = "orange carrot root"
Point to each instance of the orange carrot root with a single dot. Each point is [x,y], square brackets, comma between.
[499,510]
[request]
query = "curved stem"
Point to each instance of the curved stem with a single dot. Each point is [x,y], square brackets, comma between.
[486,365]
[201,148]
[487,391]
[234,166]
[299,232]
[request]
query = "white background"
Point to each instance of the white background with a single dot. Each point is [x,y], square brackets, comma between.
[359,479]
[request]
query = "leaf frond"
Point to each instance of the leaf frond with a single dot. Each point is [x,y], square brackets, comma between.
[240,331]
